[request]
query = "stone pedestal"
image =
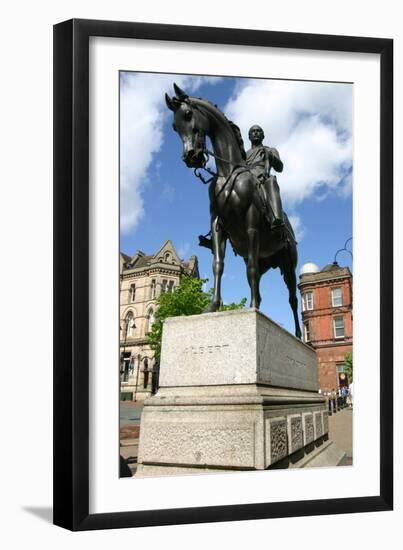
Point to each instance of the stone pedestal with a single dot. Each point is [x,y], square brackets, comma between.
[237,392]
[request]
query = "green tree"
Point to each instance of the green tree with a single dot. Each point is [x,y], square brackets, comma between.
[188,298]
[348,365]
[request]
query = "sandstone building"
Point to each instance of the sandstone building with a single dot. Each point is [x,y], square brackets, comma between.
[142,279]
[326,297]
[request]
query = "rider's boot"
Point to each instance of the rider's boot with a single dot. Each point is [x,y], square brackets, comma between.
[265,201]
[206,242]
[275,203]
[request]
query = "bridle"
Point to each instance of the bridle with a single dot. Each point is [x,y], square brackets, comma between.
[207,153]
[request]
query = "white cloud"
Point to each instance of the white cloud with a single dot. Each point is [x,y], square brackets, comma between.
[298,227]
[142,114]
[310,124]
[184,250]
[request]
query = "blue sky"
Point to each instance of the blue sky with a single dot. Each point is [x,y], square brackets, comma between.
[310,123]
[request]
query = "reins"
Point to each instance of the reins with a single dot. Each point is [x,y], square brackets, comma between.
[207,153]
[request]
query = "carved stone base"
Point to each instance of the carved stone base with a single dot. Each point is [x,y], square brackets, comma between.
[237,393]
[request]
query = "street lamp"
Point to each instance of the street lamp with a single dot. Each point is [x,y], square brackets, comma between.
[344,249]
[122,355]
[137,375]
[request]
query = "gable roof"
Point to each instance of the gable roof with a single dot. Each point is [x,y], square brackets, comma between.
[165,255]
[167,249]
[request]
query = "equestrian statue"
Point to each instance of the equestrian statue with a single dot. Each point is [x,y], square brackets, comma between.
[245,203]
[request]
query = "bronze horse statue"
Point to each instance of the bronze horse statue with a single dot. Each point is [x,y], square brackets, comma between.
[235,204]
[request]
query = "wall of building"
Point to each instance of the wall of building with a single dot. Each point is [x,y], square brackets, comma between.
[321,317]
[328,358]
[150,276]
[330,350]
[138,383]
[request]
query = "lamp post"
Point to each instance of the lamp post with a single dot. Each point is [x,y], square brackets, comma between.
[122,355]
[137,375]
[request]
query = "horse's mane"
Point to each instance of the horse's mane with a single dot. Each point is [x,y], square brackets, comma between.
[235,129]
[238,135]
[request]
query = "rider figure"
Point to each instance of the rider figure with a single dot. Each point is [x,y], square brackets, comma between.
[261,159]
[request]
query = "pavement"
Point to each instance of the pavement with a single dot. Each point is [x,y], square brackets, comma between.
[340,432]
[130,413]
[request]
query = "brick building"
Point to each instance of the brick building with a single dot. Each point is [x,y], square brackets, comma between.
[326,297]
[142,279]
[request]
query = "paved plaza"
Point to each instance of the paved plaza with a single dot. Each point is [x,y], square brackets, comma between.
[341,432]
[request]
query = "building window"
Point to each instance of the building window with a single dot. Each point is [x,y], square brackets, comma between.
[307,332]
[167,257]
[338,327]
[125,366]
[153,287]
[342,378]
[132,293]
[307,301]
[164,286]
[130,325]
[171,286]
[337,297]
[150,319]
[339,368]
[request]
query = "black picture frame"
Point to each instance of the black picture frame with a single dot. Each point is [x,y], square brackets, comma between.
[71,274]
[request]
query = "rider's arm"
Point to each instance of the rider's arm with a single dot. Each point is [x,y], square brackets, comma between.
[267,162]
[275,160]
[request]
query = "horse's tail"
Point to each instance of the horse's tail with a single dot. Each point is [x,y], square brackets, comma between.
[287,257]
[289,229]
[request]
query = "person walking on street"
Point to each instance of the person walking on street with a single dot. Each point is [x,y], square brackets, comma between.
[333,398]
[344,396]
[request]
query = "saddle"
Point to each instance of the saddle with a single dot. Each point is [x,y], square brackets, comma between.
[265,206]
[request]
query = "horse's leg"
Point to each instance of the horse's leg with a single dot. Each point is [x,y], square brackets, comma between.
[260,272]
[252,222]
[291,282]
[219,242]
[259,276]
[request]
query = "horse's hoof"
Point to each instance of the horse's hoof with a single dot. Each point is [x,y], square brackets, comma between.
[211,308]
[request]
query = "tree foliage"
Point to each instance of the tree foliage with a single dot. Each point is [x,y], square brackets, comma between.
[188,298]
[348,365]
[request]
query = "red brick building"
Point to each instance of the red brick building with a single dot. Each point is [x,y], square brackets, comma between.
[326,297]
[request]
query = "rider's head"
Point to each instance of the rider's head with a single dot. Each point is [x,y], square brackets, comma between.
[256,134]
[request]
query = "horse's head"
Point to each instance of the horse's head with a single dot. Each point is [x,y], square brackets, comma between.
[192,126]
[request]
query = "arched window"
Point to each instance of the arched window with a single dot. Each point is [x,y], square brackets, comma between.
[153,287]
[167,257]
[146,373]
[130,324]
[150,319]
